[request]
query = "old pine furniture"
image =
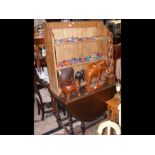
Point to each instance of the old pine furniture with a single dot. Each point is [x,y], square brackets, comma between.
[75,45]
[113,111]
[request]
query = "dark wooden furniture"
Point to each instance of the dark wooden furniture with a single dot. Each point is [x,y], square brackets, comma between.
[39,61]
[40,103]
[39,84]
[113,112]
[86,108]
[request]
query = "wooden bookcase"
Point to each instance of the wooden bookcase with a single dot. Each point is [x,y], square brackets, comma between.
[96,38]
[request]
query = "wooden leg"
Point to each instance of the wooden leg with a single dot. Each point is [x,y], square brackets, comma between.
[64,112]
[97,83]
[38,110]
[70,121]
[57,114]
[83,128]
[38,106]
[88,88]
[43,112]
[68,96]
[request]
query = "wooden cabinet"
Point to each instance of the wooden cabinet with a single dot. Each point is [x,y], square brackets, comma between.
[80,41]
[113,109]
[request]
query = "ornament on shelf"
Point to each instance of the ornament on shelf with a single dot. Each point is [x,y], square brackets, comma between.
[68,87]
[94,70]
[118,88]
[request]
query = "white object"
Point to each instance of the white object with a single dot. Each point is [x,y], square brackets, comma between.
[42,75]
[109,125]
[118,87]
[43,52]
[118,68]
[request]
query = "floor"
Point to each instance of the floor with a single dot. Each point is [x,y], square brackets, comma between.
[50,124]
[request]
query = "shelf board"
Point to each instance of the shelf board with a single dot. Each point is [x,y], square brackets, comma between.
[79,42]
[78,64]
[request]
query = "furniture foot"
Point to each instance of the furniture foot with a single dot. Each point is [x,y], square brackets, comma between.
[43,111]
[70,121]
[83,128]
[57,114]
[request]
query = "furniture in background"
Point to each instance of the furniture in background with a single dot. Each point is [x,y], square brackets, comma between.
[40,61]
[111,124]
[41,101]
[39,87]
[113,112]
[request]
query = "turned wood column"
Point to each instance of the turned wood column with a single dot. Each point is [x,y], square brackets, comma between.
[57,113]
[83,128]
[70,121]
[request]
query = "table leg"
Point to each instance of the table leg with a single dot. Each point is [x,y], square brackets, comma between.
[70,121]
[83,128]
[57,114]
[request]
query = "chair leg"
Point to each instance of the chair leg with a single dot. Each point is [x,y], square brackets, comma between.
[38,110]
[70,121]
[64,112]
[43,112]
[38,105]
[83,128]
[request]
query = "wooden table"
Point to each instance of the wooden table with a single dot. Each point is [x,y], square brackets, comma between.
[113,112]
[86,108]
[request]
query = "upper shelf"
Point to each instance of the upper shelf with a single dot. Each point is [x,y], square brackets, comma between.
[78,42]
[88,40]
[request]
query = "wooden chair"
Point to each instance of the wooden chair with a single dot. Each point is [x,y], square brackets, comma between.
[41,102]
